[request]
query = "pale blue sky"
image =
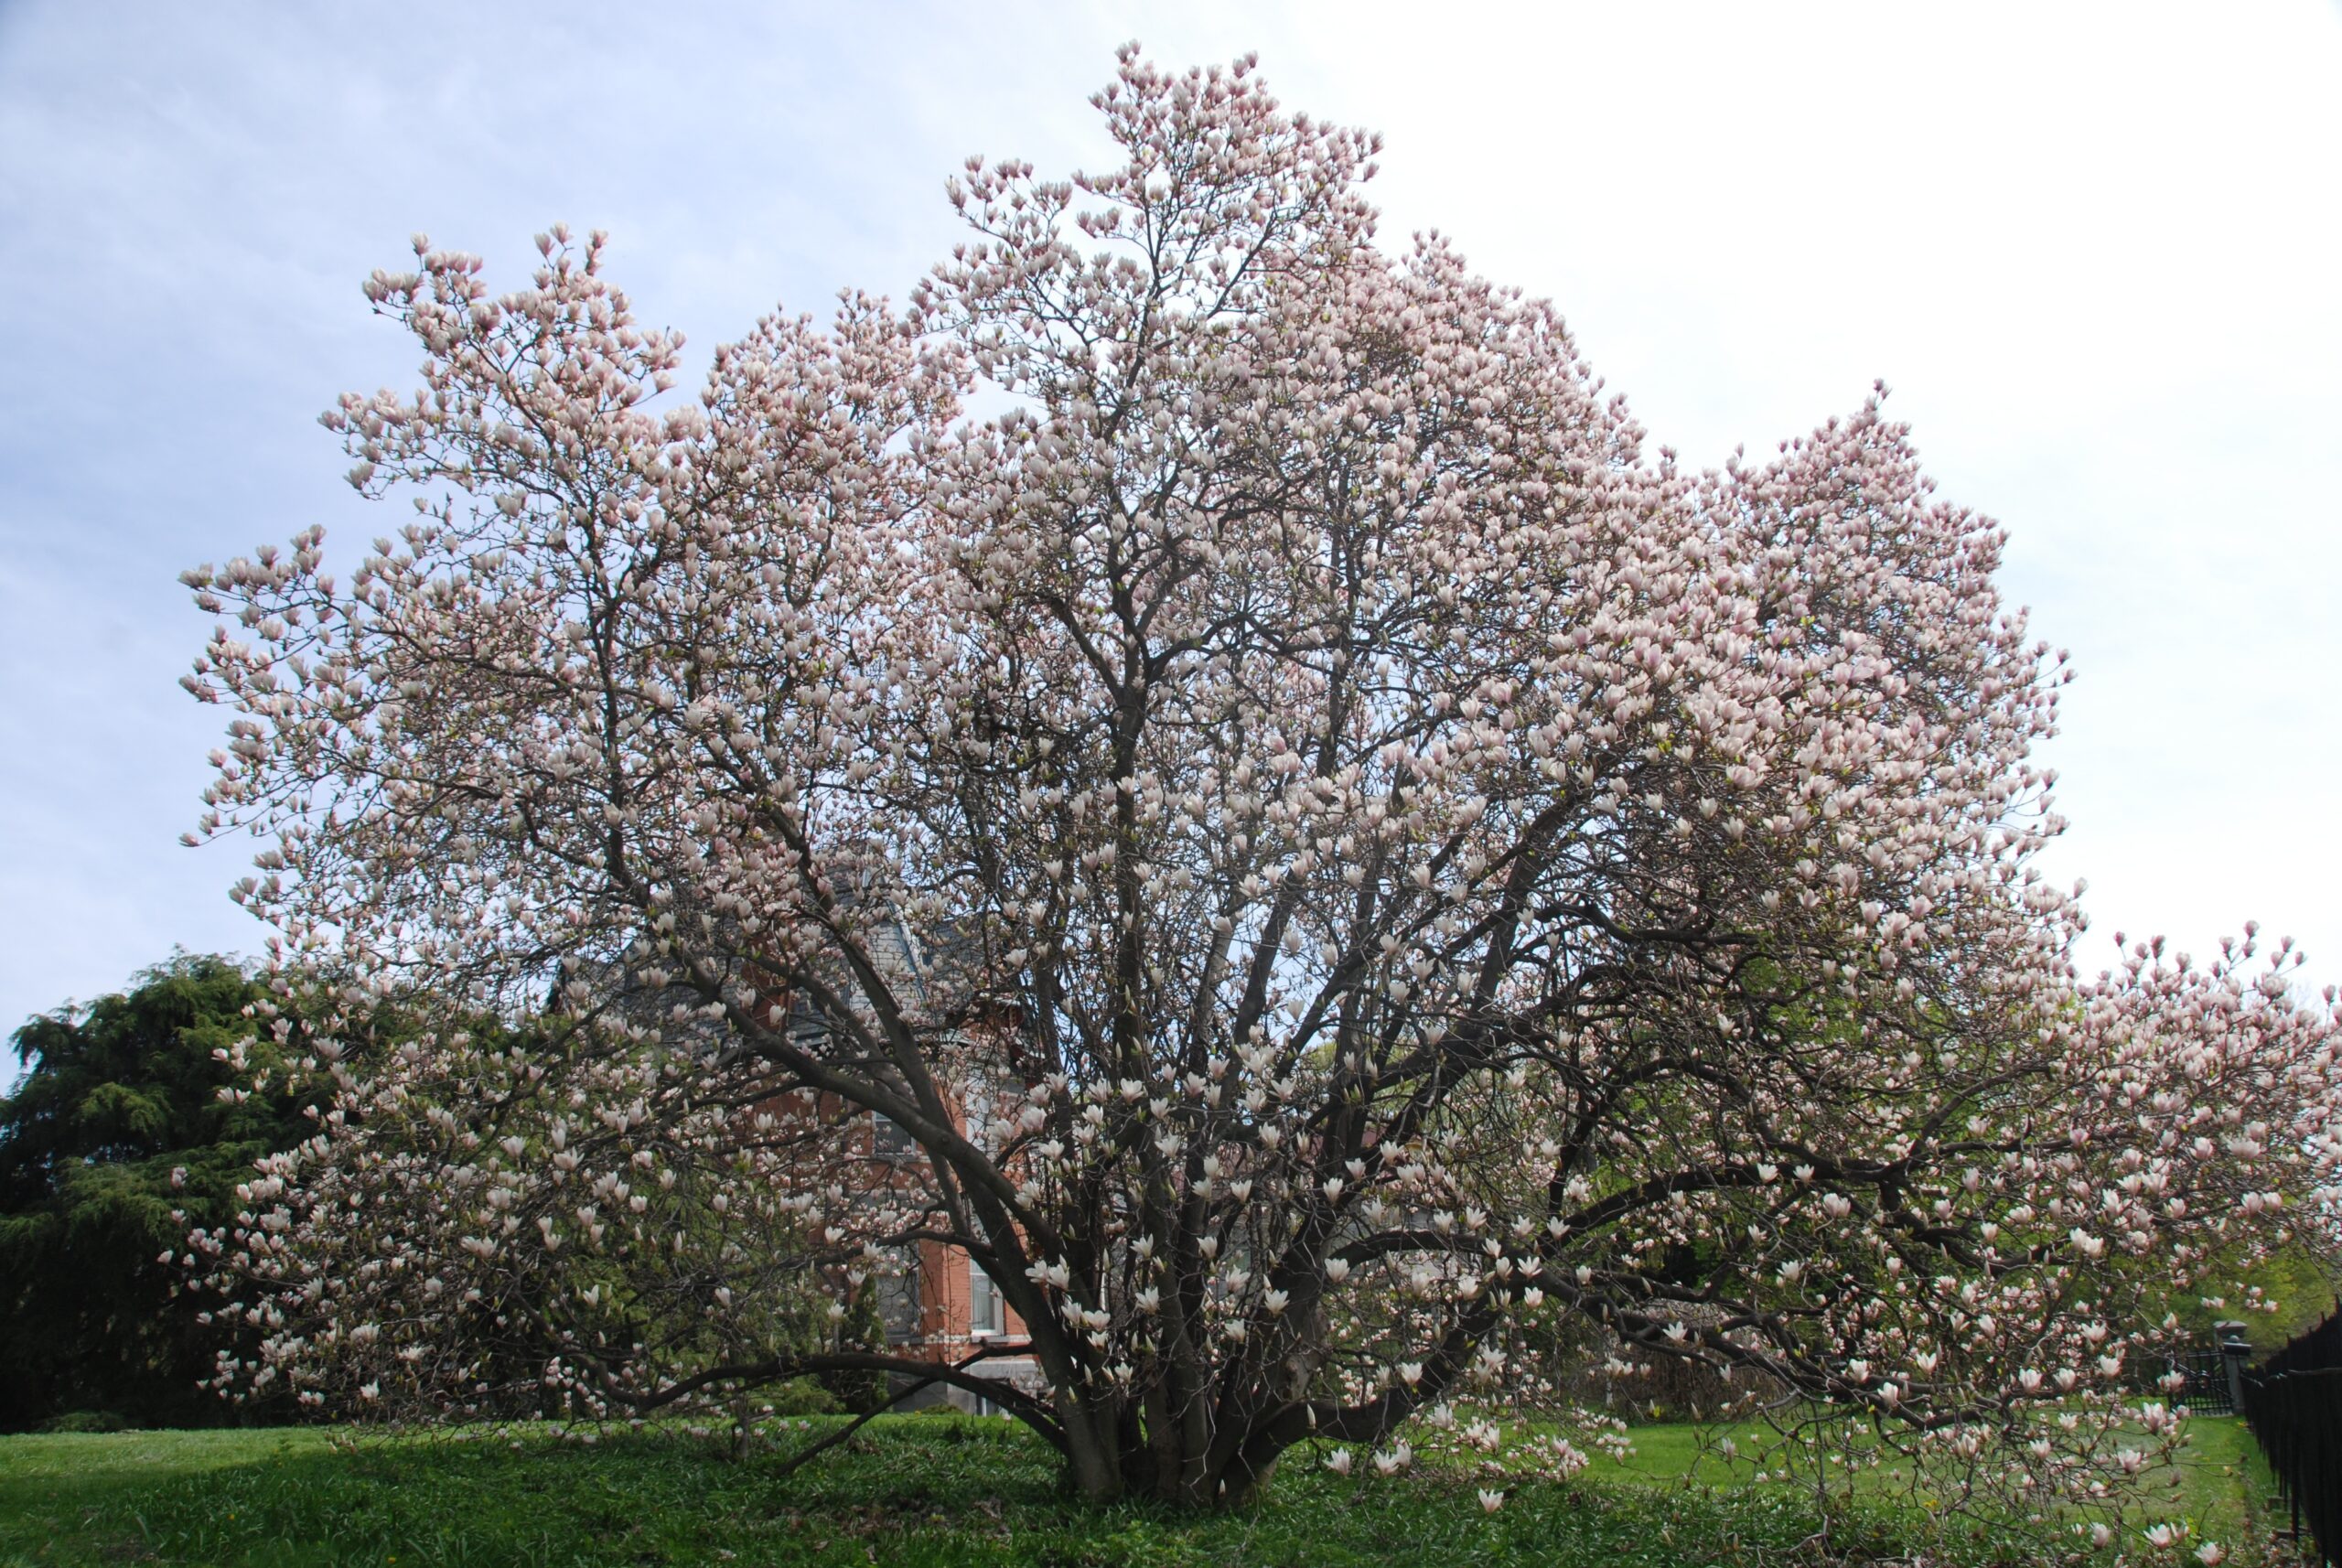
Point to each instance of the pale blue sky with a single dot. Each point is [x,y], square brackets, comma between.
[2092,249]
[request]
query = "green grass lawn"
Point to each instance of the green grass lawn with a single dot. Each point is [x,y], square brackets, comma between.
[2209,1488]
[913,1490]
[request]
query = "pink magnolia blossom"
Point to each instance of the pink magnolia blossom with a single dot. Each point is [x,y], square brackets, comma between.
[1339,859]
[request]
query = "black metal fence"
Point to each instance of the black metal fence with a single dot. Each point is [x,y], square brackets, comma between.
[2293,1402]
[2209,1389]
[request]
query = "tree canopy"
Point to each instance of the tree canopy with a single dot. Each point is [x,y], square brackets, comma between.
[1337,856]
[129,1125]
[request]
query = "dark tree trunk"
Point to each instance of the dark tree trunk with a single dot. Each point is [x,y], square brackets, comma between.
[1126,1449]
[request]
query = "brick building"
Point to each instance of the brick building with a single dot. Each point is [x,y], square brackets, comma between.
[939,1306]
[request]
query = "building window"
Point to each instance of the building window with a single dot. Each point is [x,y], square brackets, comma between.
[898,1304]
[889,1142]
[986,1314]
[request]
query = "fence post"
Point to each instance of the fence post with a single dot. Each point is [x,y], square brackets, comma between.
[2234,1353]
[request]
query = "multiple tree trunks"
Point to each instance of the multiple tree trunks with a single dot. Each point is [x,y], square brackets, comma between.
[1415,872]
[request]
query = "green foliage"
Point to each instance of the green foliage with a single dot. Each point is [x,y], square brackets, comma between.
[118,1138]
[799,1396]
[2291,1291]
[865,1329]
[85,1421]
[915,1490]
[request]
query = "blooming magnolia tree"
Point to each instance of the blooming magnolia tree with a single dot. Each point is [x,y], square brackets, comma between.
[1391,869]
[489,1224]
